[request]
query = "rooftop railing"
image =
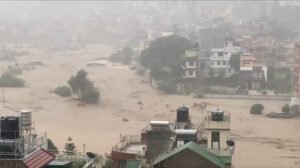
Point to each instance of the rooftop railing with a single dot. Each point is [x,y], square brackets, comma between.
[126,141]
[21,146]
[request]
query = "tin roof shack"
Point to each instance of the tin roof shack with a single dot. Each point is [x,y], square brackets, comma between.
[130,151]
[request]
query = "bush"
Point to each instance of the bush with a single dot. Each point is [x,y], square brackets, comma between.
[108,164]
[63,91]
[78,164]
[9,80]
[13,71]
[90,95]
[257,109]
[285,108]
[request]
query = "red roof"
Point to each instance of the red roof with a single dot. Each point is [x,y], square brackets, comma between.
[38,158]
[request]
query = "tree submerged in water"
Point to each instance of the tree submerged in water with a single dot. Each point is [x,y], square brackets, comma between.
[84,88]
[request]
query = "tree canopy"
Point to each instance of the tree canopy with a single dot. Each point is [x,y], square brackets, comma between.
[124,56]
[164,54]
[84,88]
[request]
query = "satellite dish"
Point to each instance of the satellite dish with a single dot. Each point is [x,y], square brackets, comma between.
[230,143]
[90,155]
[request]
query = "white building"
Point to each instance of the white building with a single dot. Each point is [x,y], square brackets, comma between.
[219,60]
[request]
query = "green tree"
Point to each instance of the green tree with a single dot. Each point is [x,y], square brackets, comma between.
[70,147]
[84,88]
[127,55]
[165,52]
[90,95]
[124,56]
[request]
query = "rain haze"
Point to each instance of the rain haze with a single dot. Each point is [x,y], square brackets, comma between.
[150,84]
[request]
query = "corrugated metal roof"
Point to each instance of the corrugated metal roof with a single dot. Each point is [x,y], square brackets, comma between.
[38,158]
[200,150]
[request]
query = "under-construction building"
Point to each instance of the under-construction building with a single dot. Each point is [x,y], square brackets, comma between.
[20,146]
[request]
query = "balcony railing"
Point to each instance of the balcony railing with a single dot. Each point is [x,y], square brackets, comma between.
[126,141]
[22,145]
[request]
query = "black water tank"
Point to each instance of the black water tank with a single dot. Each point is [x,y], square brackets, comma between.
[182,114]
[10,128]
[217,116]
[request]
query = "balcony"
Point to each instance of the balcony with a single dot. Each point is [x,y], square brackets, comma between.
[189,65]
[220,66]
[189,74]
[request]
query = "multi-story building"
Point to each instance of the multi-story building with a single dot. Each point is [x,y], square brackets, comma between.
[253,77]
[297,69]
[219,59]
[190,63]
[295,101]
[247,60]
[220,63]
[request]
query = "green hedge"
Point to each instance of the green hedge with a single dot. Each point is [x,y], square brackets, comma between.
[63,91]
[257,109]
[9,80]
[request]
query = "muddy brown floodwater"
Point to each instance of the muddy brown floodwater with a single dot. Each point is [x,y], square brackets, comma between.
[260,142]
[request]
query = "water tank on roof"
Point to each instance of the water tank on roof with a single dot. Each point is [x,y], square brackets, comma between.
[10,128]
[26,118]
[217,115]
[182,114]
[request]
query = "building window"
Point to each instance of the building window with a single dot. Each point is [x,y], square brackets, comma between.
[191,72]
[224,62]
[191,63]
[220,54]
[218,62]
